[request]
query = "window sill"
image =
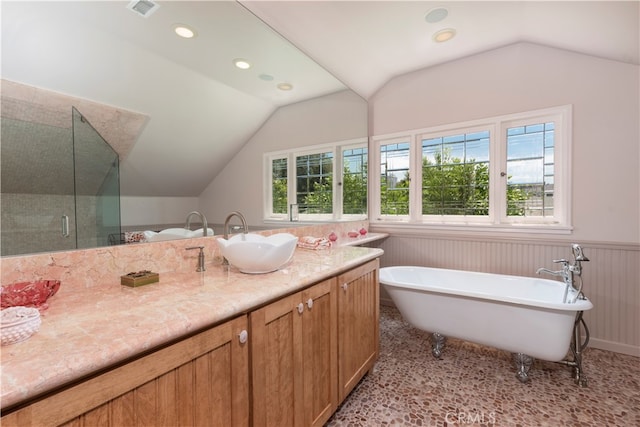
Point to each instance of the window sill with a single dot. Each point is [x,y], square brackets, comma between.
[405,227]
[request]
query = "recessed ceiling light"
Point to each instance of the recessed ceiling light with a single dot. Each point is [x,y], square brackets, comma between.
[285,86]
[184,31]
[444,35]
[243,64]
[436,15]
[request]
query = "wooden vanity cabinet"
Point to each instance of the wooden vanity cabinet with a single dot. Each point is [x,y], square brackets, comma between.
[303,355]
[305,361]
[294,359]
[358,324]
[199,381]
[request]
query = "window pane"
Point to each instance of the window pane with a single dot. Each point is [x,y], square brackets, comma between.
[354,183]
[279,184]
[394,179]
[530,170]
[314,192]
[455,175]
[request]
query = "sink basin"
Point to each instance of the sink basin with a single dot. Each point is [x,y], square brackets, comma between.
[174,233]
[257,254]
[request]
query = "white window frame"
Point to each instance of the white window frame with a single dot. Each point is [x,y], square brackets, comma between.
[497,220]
[336,148]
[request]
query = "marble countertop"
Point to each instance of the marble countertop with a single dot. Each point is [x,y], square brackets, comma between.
[96,327]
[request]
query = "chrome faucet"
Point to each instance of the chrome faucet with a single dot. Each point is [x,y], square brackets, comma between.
[205,226]
[245,229]
[569,271]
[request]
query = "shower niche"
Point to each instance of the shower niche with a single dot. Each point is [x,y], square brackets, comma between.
[60,184]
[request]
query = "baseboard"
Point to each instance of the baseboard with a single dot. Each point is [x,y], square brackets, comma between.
[386,301]
[615,347]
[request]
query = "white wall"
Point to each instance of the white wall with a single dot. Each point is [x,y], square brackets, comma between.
[336,117]
[606,182]
[156,210]
[522,77]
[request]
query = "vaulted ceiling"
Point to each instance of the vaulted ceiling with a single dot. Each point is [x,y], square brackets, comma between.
[202,109]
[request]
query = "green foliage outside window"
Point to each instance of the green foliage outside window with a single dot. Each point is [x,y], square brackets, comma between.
[280,196]
[279,186]
[320,199]
[354,192]
[449,187]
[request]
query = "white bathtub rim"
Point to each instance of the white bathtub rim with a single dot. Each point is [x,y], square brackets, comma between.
[579,305]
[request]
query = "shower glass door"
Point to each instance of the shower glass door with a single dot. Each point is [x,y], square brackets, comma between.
[97,186]
[37,192]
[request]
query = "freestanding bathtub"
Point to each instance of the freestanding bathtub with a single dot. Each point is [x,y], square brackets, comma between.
[522,315]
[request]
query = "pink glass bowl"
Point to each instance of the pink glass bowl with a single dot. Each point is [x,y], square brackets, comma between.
[29,294]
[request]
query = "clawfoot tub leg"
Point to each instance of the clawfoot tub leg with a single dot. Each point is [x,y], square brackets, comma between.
[437,344]
[577,346]
[523,364]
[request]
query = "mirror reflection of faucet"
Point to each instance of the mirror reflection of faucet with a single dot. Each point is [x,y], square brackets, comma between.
[180,233]
[203,220]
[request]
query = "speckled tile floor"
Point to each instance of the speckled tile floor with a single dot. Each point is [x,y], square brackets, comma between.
[476,385]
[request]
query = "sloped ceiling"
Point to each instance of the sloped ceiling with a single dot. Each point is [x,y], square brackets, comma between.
[367,43]
[202,110]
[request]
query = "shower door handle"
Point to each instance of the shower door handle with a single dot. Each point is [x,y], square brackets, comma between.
[65,226]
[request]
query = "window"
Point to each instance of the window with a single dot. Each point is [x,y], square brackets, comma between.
[314,183]
[455,174]
[394,188]
[506,171]
[354,180]
[327,182]
[530,156]
[279,184]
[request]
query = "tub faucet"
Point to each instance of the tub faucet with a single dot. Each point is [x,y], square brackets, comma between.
[205,226]
[569,271]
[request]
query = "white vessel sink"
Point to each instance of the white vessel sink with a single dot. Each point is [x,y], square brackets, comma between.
[257,254]
[175,233]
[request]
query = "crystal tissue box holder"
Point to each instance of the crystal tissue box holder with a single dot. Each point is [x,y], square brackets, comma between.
[139,278]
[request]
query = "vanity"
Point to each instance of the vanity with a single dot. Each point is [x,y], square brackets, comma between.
[217,347]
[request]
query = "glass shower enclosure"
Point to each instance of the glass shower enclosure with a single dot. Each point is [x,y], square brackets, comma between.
[60,186]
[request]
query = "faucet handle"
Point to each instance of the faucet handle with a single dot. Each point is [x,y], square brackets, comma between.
[201,266]
[577,253]
[561,261]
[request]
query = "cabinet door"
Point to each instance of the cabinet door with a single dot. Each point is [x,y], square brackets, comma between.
[202,380]
[293,351]
[276,361]
[358,328]
[320,354]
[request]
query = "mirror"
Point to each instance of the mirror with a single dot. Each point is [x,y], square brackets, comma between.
[60,186]
[198,111]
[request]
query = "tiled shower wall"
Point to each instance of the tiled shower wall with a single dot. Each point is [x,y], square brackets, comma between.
[611,277]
